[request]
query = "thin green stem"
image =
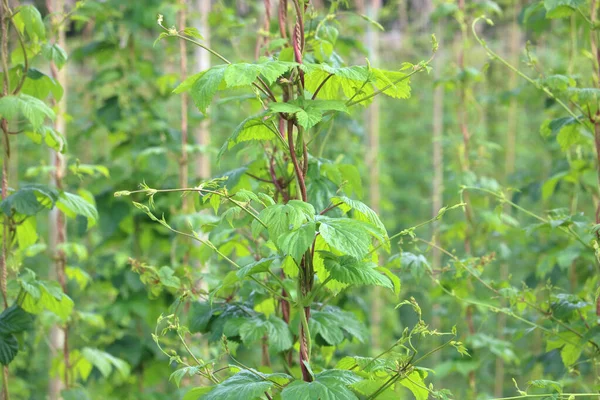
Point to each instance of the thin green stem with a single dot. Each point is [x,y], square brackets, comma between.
[521,74]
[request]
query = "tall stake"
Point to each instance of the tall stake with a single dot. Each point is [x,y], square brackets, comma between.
[4,21]
[372,158]
[465,162]
[509,169]
[57,221]
[202,167]
[183,161]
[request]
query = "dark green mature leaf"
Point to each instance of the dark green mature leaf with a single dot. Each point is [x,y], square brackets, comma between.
[199,316]
[565,305]
[9,347]
[351,271]
[244,385]
[346,235]
[328,385]
[205,87]
[29,200]
[561,8]
[333,325]
[279,335]
[15,320]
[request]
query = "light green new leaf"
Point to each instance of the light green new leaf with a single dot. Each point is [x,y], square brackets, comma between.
[362,212]
[54,53]
[416,384]
[349,236]
[178,375]
[106,362]
[73,205]
[195,393]
[349,270]
[242,74]
[188,83]
[561,8]
[28,20]
[253,128]
[33,109]
[206,86]
[296,242]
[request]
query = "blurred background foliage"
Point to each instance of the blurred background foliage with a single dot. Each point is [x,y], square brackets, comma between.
[123,124]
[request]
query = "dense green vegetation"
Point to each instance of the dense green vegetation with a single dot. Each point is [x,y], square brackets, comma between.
[300,199]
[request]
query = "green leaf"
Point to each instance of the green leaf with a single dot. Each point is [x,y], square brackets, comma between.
[283,218]
[15,320]
[244,385]
[255,267]
[73,205]
[9,347]
[561,8]
[206,86]
[199,316]
[28,20]
[54,53]
[181,373]
[192,32]
[242,74]
[328,385]
[564,306]
[106,362]
[362,212]
[40,85]
[29,200]
[346,235]
[351,271]
[416,384]
[34,110]
[188,83]
[280,337]
[296,242]
[251,129]
[334,325]
[253,330]
[44,295]
[309,117]
[167,278]
[195,393]
[272,69]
